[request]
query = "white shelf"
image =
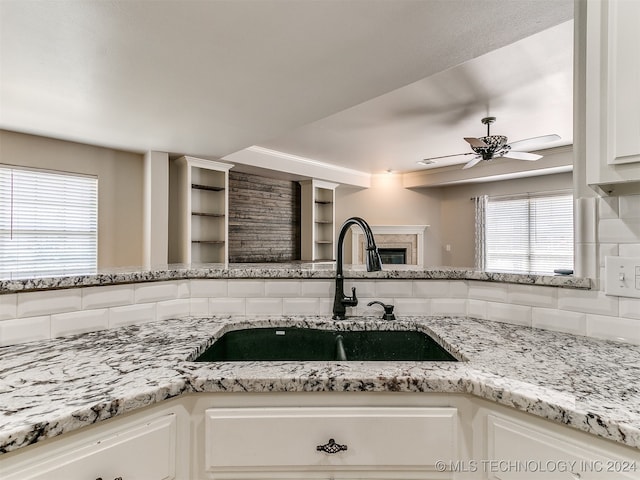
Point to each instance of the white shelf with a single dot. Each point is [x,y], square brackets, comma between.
[202,209]
[318,220]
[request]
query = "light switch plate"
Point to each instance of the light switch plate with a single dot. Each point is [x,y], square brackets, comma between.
[622,276]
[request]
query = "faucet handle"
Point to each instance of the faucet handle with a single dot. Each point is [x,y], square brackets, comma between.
[353,294]
[388,309]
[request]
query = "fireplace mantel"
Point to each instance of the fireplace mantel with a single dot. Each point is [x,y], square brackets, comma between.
[391,236]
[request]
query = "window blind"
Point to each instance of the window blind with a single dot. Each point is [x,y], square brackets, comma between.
[48,223]
[529,234]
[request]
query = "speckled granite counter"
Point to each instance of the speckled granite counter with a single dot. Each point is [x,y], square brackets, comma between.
[295,270]
[49,388]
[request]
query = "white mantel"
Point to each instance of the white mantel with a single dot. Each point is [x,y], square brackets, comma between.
[389,236]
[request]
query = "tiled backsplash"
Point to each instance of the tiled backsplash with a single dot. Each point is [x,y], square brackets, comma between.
[47,314]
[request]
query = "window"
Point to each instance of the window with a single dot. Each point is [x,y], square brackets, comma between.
[526,234]
[48,223]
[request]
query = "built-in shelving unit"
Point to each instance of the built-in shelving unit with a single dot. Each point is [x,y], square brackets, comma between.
[203,208]
[318,220]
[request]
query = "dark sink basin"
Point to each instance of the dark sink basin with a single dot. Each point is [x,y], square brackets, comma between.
[305,344]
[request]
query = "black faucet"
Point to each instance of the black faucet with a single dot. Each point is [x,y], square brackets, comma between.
[372,259]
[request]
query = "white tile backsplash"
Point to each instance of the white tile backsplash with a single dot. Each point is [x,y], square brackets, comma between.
[300,306]
[630,308]
[619,230]
[155,292]
[199,307]
[507,313]
[411,306]
[264,306]
[493,292]
[394,288]
[629,206]
[8,306]
[63,324]
[282,288]
[614,328]
[608,207]
[317,288]
[32,304]
[208,288]
[363,288]
[448,306]
[132,314]
[172,308]
[629,249]
[587,301]
[560,320]
[432,289]
[227,306]
[246,288]
[477,308]
[535,296]
[107,296]
[21,330]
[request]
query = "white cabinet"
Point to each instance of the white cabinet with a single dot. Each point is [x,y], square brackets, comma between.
[318,220]
[518,450]
[268,442]
[612,95]
[143,450]
[199,207]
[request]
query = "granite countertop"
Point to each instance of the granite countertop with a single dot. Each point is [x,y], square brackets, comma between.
[322,270]
[56,386]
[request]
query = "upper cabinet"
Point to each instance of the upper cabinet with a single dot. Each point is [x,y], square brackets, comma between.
[612,107]
[318,231]
[200,206]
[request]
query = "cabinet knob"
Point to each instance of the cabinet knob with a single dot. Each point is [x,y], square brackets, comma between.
[331,447]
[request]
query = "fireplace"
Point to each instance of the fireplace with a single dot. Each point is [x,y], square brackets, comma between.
[392,239]
[397,256]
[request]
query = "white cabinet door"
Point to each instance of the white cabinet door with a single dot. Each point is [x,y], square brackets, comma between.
[518,451]
[144,451]
[359,439]
[612,94]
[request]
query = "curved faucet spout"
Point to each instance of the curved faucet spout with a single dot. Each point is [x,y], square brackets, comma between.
[372,260]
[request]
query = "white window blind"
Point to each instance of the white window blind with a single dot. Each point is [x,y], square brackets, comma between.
[529,234]
[48,223]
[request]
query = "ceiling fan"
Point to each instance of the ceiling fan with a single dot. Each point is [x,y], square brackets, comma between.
[496,146]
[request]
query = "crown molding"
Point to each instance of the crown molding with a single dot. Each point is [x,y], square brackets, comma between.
[284,162]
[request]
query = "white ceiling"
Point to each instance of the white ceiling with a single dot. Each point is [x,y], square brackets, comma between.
[368,85]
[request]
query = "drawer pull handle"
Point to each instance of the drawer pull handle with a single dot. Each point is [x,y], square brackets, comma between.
[331,447]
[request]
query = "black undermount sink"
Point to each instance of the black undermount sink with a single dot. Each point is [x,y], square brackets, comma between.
[308,344]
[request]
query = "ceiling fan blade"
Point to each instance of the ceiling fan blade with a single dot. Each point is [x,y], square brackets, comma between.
[522,156]
[472,162]
[447,156]
[532,143]
[476,142]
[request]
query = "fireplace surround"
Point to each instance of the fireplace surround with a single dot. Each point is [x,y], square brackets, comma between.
[409,237]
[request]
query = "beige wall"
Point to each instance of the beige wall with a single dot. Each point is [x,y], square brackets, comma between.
[448,211]
[388,203]
[120,188]
[458,214]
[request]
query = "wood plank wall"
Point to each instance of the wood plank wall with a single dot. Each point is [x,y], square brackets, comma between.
[264,219]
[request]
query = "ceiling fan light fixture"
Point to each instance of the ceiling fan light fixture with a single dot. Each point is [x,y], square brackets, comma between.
[426,161]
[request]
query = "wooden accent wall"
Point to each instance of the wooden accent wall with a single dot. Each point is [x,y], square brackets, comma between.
[264,219]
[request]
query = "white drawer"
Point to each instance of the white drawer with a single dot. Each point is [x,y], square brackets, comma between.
[289,437]
[144,451]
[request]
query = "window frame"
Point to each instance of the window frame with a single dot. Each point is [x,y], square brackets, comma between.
[520,242]
[48,222]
